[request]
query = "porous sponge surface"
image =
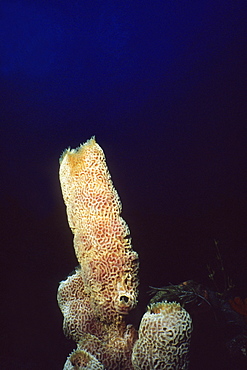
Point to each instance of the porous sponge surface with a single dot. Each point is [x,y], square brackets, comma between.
[101,292]
[102,243]
[164,338]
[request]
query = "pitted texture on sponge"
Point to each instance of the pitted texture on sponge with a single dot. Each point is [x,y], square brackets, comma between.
[109,266]
[164,338]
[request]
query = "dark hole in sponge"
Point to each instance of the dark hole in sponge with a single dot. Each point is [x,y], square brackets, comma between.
[124,299]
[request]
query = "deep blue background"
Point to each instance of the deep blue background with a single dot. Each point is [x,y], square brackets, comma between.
[162,86]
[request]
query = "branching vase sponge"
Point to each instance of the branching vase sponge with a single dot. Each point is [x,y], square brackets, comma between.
[104,288]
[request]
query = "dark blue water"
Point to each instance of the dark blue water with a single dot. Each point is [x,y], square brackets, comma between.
[162,85]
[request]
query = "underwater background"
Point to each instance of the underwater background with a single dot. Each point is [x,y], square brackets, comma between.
[162,86]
